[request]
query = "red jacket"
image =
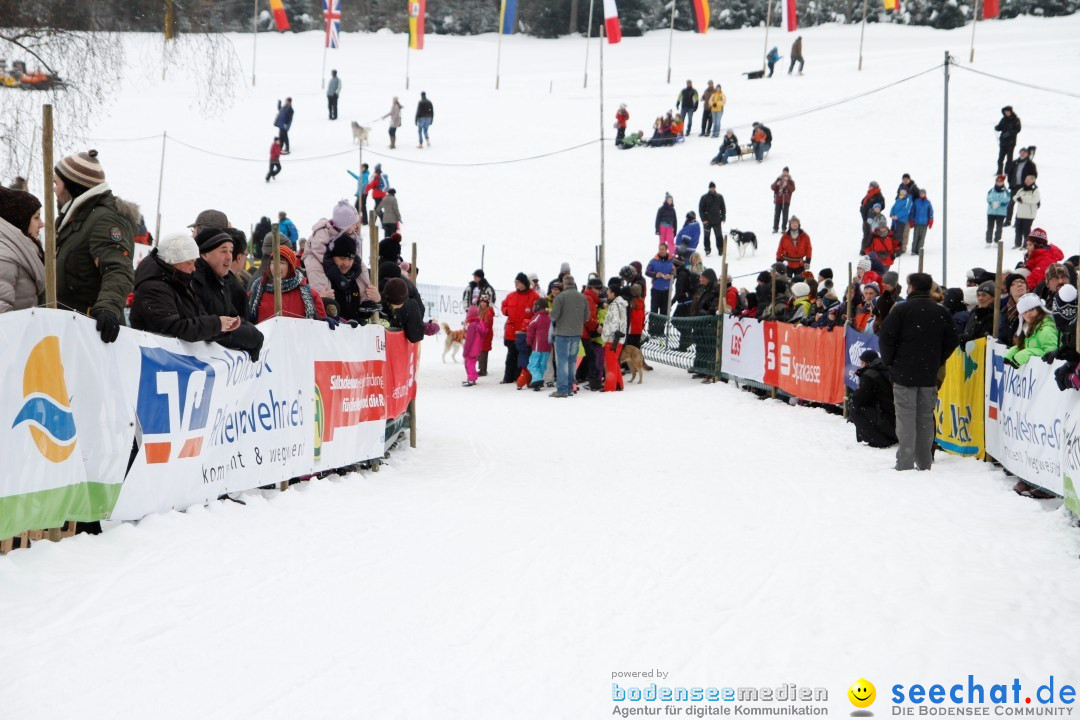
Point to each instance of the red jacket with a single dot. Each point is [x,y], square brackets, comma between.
[374,187]
[732,299]
[791,248]
[292,305]
[885,248]
[590,324]
[517,307]
[488,318]
[537,334]
[622,117]
[1040,259]
[782,194]
[275,152]
[637,316]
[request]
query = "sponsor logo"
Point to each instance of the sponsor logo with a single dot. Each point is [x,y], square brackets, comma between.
[174,404]
[46,409]
[862,694]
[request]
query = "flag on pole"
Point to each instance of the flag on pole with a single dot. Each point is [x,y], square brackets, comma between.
[991,8]
[701,15]
[331,12]
[611,22]
[280,18]
[417,9]
[791,19]
[508,17]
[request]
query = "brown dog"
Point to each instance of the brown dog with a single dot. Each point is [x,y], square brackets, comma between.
[635,361]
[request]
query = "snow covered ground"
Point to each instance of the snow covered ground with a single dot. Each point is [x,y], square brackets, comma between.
[530,549]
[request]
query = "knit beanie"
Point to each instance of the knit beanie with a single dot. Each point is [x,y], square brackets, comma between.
[800,290]
[396,292]
[564,268]
[872,285]
[80,172]
[864,264]
[1065,305]
[1038,236]
[343,246]
[289,257]
[891,278]
[177,247]
[210,239]
[826,273]
[986,288]
[389,270]
[1011,278]
[523,279]
[17,207]
[345,215]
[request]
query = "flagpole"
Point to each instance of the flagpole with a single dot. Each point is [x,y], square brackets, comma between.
[671,41]
[768,22]
[254,37]
[408,54]
[588,37]
[603,142]
[862,33]
[326,41]
[498,52]
[974,22]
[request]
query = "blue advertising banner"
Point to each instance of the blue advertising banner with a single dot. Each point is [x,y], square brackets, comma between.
[855,344]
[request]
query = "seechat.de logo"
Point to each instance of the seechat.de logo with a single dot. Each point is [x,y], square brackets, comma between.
[46,408]
[174,404]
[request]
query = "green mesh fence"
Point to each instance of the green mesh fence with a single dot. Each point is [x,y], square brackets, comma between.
[688,343]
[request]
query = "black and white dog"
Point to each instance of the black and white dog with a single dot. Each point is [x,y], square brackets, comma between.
[743,239]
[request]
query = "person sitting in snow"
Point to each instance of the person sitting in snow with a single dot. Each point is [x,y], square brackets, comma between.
[632,140]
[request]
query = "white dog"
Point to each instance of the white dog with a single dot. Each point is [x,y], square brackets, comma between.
[359,134]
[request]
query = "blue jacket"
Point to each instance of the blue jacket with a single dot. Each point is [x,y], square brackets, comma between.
[361,181]
[774,55]
[997,201]
[690,234]
[901,209]
[922,212]
[288,229]
[665,267]
[284,117]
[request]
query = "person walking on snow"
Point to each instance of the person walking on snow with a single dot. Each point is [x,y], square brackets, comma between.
[666,220]
[475,331]
[687,102]
[706,114]
[275,159]
[621,118]
[713,213]
[796,55]
[377,186]
[772,58]
[361,192]
[425,117]
[333,89]
[283,122]
[716,107]
[391,216]
[783,188]
[922,219]
[395,121]
[1008,129]
[997,204]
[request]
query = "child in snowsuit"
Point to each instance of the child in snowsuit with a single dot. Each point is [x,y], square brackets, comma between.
[475,332]
[539,343]
[615,327]
[666,220]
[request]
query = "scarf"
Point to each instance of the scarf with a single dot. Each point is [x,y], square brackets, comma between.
[296,282]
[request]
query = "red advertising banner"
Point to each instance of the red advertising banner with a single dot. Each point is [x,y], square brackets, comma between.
[805,362]
[401,360]
[349,393]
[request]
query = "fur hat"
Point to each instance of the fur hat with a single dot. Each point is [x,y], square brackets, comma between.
[395,292]
[344,215]
[177,247]
[800,290]
[81,170]
[17,207]
[1028,301]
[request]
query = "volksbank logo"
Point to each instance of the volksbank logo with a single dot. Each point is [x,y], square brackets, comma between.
[174,403]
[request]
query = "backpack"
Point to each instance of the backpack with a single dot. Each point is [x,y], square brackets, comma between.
[384,182]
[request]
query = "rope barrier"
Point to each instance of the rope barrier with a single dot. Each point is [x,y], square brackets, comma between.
[1019,82]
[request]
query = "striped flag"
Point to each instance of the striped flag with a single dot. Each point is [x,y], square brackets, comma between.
[991,8]
[892,5]
[280,18]
[331,12]
[508,17]
[791,19]
[417,8]
[611,22]
[701,15]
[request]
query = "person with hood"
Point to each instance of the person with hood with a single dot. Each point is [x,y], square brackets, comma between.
[916,340]
[517,309]
[1039,255]
[800,307]
[706,113]
[569,314]
[900,214]
[666,222]
[216,288]
[690,234]
[283,122]
[615,329]
[622,117]
[589,369]
[1008,129]
[361,194]
[883,246]
[1028,201]
[377,187]
[95,242]
[706,302]
[783,187]
[866,208]
[954,303]
[475,330]
[401,311]
[796,55]
[395,121]
[262,229]
[479,287]
[997,205]
[538,337]
[1015,172]
[713,212]
[354,296]
[275,160]
[871,407]
[729,148]
[687,103]
[425,118]
[164,302]
[980,322]
[287,230]
[22,261]
[298,299]
[1037,334]
[716,108]
[333,90]
[343,219]
[772,58]
[922,219]
[795,249]
[391,215]
[487,316]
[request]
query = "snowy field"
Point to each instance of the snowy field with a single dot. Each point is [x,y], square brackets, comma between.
[530,549]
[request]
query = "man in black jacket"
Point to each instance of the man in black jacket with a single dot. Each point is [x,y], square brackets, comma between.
[216,288]
[403,312]
[871,407]
[425,116]
[688,104]
[1008,128]
[1015,172]
[916,339]
[713,213]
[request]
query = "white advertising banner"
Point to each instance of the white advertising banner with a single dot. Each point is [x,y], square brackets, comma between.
[744,348]
[445,303]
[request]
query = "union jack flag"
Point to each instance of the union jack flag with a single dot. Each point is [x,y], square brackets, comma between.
[332,16]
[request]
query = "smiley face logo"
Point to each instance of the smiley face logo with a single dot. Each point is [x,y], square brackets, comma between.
[862,693]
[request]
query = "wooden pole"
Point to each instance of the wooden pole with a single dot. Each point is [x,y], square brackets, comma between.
[850,296]
[922,252]
[412,403]
[254,37]
[945,181]
[483,251]
[671,41]
[408,55]
[603,143]
[862,33]
[997,286]
[47,198]
[772,304]
[768,22]
[588,38]
[722,305]
[277,266]
[974,22]
[160,183]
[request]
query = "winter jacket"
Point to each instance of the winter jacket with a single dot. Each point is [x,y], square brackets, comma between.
[1028,201]
[475,332]
[773,56]
[275,152]
[333,87]
[292,304]
[690,235]
[165,304]
[1044,339]
[621,118]
[980,323]
[262,228]
[795,251]
[287,229]
[517,307]
[800,309]
[284,117]
[592,317]
[389,209]
[94,245]
[487,318]
[474,292]
[424,109]
[537,333]
[687,100]
[636,316]
[884,249]
[374,187]
[706,297]
[922,212]
[666,216]
[873,197]
[394,115]
[1017,170]
[711,208]
[762,135]
[408,318]
[361,182]
[1008,128]
[223,296]
[782,190]
[1038,260]
[1007,326]
[615,321]
[656,267]
[717,101]
[875,389]
[901,210]
[22,269]
[569,312]
[916,339]
[997,201]
[796,49]
[728,143]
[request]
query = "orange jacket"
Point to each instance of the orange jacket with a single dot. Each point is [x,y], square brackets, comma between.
[800,249]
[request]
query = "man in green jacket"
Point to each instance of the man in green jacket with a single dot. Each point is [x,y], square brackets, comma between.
[94,243]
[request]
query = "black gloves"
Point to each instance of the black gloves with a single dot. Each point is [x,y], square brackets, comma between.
[1010,361]
[107,324]
[1065,376]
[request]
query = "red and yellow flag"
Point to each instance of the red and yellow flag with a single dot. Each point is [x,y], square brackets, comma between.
[280,18]
[701,15]
[892,5]
[416,23]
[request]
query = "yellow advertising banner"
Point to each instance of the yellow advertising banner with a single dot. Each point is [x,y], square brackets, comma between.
[959,410]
